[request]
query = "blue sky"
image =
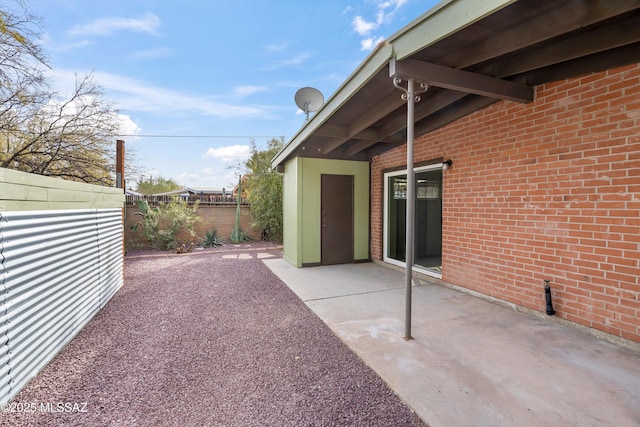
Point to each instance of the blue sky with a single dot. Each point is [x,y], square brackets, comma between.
[210,76]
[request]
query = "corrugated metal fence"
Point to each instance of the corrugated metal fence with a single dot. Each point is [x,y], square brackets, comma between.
[58,268]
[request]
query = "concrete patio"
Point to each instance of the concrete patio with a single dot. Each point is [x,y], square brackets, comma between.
[472,362]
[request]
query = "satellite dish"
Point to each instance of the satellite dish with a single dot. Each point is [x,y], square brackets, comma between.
[309,100]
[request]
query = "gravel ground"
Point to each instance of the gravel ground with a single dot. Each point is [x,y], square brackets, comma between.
[208,338]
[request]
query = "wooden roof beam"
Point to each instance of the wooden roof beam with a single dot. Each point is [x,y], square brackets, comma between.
[361,128]
[423,109]
[459,80]
[575,14]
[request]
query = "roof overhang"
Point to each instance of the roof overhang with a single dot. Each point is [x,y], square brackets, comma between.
[471,54]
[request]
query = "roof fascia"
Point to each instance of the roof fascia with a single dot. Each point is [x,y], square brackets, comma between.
[445,19]
[442,20]
[376,61]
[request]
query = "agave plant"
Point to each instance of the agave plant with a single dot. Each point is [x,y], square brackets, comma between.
[212,239]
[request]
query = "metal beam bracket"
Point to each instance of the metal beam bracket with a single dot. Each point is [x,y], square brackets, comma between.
[397,82]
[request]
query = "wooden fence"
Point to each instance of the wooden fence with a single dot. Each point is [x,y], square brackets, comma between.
[203,200]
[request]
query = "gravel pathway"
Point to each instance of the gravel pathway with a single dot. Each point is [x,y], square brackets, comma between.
[207,338]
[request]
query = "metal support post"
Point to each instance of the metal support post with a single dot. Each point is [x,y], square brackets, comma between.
[411,97]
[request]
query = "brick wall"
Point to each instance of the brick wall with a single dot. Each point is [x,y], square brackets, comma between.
[546,190]
[222,217]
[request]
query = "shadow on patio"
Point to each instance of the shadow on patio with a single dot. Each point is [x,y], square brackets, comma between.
[472,362]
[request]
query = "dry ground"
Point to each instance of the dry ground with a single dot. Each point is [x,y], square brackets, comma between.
[208,338]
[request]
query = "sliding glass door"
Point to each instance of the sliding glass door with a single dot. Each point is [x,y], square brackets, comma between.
[428,219]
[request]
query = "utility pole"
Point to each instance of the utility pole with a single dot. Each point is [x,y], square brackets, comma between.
[120,164]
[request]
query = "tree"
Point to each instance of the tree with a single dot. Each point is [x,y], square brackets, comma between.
[41,131]
[157,185]
[23,89]
[72,138]
[264,186]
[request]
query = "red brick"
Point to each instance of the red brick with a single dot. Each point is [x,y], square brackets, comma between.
[546,188]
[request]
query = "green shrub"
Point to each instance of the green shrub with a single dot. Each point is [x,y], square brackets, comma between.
[162,224]
[264,185]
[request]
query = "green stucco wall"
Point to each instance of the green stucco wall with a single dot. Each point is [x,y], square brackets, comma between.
[290,213]
[21,191]
[301,214]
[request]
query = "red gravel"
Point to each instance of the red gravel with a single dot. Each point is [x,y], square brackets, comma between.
[198,339]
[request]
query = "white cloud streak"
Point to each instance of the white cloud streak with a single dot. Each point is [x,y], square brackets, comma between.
[248,90]
[277,47]
[208,177]
[161,52]
[148,23]
[230,153]
[72,46]
[296,60]
[136,95]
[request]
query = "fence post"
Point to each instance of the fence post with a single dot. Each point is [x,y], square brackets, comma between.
[120,164]
[120,183]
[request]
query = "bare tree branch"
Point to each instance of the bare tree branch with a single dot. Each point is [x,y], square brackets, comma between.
[41,132]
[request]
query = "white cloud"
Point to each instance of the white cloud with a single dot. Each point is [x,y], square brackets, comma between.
[188,179]
[385,11]
[244,91]
[136,95]
[277,47]
[148,23]
[208,177]
[393,4]
[347,10]
[139,96]
[363,27]
[230,153]
[370,43]
[71,46]
[128,126]
[231,178]
[161,52]
[296,60]
[146,175]
[74,110]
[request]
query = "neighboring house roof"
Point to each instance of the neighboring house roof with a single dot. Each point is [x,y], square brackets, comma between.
[172,193]
[235,187]
[208,190]
[189,190]
[506,48]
